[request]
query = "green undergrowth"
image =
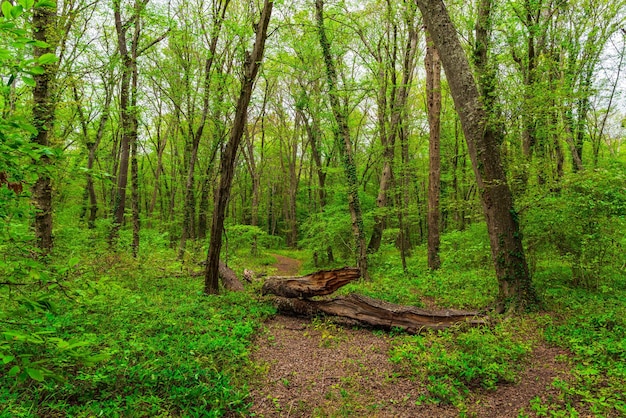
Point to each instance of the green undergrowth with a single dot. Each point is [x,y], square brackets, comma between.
[458,360]
[592,326]
[159,346]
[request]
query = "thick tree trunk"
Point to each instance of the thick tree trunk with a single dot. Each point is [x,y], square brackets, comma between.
[515,286]
[377,313]
[433,99]
[227,164]
[44,18]
[344,144]
[319,283]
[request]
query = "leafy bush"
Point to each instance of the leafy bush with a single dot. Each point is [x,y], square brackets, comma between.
[466,249]
[242,237]
[584,222]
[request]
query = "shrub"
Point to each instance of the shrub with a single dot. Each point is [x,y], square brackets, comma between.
[583,222]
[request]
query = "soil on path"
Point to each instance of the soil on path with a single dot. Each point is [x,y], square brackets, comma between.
[314,368]
[286,266]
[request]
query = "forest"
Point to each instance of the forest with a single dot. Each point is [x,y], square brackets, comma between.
[165,164]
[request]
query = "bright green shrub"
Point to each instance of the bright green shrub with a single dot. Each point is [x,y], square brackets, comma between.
[584,223]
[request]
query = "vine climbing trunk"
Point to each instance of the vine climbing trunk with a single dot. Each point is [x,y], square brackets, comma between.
[516,291]
[344,143]
[227,164]
[44,19]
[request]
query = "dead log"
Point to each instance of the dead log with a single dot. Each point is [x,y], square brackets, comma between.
[229,278]
[377,313]
[319,283]
[227,275]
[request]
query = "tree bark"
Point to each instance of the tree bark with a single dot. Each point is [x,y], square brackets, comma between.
[44,18]
[377,313]
[227,165]
[516,291]
[319,283]
[344,144]
[126,115]
[433,102]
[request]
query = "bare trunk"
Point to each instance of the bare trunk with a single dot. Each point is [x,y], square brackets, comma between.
[516,290]
[44,18]
[227,165]
[433,99]
[119,199]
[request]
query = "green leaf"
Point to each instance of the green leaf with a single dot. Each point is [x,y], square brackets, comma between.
[5,54]
[47,59]
[73,262]
[35,374]
[37,70]
[16,11]
[45,3]
[7,359]
[6,9]
[26,4]
[29,81]
[14,371]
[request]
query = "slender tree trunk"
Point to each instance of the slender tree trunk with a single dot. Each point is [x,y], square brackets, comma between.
[126,115]
[189,210]
[516,291]
[344,144]
[227,165]
[388,138]
[44,20]
[433,99]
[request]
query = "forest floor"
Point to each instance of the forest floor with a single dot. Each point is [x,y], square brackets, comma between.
[317,368]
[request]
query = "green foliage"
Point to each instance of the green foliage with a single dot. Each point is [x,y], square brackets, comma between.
[240,237]
[584,223]
[330,229]
[455,361]
[468,249]
[594,330]
[162,346]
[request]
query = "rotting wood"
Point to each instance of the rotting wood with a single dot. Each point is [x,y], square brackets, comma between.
[379,314]
[227,275]
[229,278]
[319,283]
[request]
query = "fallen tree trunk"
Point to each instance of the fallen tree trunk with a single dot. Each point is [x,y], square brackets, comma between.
[227,275]
[377,313]
[319,283]
[229,278]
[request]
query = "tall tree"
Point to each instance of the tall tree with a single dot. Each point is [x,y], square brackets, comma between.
[227,164]
[344,143]
[433,106]
[516,291]
[189,211]
[44,23]
[398,97]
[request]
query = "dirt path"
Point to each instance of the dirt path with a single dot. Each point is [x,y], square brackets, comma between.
[314,368]
[286,266]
